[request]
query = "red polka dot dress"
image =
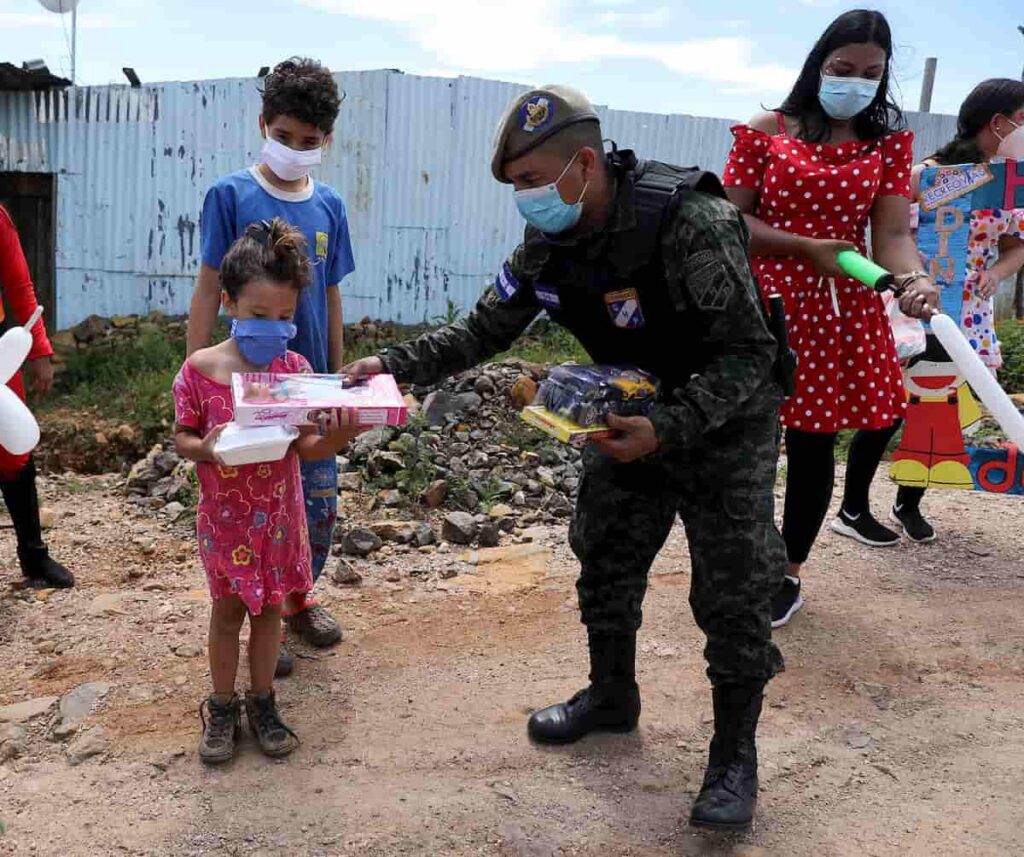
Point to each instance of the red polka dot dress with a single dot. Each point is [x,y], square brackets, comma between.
[848,375]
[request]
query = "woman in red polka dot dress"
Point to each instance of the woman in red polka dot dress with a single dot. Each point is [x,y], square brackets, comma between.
[810,178]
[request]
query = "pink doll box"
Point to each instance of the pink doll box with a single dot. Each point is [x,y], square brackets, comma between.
[267,399]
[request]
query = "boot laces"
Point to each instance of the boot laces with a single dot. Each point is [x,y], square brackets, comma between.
[221,723]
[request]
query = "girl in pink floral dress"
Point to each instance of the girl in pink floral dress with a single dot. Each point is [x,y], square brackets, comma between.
[251,519]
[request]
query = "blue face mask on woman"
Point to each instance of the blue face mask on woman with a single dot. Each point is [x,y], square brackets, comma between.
[544,209]
[845,97]
[262,340]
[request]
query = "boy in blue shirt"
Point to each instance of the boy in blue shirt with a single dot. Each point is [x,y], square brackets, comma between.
[300,105]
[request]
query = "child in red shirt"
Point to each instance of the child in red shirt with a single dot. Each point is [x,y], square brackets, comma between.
[18,472]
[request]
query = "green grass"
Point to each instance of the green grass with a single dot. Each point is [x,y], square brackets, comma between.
[1011,337]
[547,343]
[129,383]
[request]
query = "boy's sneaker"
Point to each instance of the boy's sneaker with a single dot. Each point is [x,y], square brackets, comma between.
[787,601]
[864,529]
[275,739]
[913,523]
[221,724]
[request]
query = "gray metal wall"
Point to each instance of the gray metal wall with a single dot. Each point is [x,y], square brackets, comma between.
[410,158]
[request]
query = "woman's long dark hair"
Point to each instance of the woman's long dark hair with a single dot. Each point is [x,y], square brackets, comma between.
[995,97]
[883,116]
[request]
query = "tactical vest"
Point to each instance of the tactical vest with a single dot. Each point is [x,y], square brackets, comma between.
[611,291]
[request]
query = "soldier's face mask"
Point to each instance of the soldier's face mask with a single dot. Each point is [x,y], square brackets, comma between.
[544,209]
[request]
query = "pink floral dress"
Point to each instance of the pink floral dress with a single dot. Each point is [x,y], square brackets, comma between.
[848,374]
[251,519]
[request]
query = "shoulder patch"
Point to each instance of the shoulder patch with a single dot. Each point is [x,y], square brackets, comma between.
[506,284]
[707,280]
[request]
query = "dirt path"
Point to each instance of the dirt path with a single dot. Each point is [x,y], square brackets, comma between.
[896,729]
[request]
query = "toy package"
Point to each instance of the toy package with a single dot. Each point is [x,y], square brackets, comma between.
[264,399]
[572,404]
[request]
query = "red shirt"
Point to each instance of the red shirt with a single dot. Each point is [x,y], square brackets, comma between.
[16,283]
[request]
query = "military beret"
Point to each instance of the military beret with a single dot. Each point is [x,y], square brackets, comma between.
[534,117]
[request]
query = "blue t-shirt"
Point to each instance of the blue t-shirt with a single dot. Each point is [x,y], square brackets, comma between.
[246,197]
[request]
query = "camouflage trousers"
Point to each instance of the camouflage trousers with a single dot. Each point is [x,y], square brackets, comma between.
[723,489]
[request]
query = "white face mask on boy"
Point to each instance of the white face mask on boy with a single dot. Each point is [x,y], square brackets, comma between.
[289,164]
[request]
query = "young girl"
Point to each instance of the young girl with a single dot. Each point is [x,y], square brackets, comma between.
[990,125]
[251,519]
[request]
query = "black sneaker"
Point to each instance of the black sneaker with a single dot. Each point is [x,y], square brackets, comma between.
[221,725]
[913,523]
[787,601]
[275,739]
[864,529]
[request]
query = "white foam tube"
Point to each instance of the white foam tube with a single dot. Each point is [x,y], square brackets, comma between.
[980,378]
[19,431]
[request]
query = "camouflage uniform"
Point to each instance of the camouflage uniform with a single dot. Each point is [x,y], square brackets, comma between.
[670,291]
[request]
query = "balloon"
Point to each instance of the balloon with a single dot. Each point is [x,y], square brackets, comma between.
[59,6]
[19,431]
[980,378]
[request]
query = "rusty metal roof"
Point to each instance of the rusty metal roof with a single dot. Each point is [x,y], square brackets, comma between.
[15,79]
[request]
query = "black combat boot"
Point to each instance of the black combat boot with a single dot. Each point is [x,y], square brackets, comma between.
[729,794]
[610,704]
[23,504]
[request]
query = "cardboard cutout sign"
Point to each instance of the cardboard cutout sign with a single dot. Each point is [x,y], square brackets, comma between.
[964,211]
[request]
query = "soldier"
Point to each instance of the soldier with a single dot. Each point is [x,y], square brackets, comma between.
[647,265]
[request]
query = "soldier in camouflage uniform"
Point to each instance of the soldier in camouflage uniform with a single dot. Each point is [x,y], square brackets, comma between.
[647,265]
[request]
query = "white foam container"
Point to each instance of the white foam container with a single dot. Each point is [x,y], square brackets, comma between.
[240,445]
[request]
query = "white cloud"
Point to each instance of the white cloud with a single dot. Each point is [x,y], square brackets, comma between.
[651,18]
[517,36]
[56,22]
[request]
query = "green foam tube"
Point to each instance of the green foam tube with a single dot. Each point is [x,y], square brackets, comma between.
[865,271]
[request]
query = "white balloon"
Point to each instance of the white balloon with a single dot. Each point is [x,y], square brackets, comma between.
[980,378]
[14,348]
[19,431]
[59,6]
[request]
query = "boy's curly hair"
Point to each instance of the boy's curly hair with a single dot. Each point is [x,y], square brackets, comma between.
[302,88]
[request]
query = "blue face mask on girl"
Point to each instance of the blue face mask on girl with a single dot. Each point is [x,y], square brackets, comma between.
[544,209]
[845,97]
[262,340]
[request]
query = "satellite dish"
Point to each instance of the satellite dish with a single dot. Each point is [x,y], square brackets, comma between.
[61,7]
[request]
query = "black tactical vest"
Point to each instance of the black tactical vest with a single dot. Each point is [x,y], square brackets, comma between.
[611,290]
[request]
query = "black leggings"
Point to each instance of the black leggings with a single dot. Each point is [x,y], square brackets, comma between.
[810,478]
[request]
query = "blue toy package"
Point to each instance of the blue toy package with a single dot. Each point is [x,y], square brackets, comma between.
[585,395]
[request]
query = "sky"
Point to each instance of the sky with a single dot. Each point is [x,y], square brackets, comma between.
[664,56]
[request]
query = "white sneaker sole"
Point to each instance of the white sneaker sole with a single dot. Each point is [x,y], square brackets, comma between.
[778,623]
[844,529]
[896,520]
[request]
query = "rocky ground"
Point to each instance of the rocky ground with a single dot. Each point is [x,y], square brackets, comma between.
[896,728]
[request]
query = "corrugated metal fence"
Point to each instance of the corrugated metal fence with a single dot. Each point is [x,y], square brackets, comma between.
[410,157]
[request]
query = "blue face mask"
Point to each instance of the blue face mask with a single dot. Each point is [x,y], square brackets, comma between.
[262,340]
[544,209]
[845,97]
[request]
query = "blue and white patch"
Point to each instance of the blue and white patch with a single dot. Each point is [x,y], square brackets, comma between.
[624,308]
[506,284]
[548,295]
[535,114]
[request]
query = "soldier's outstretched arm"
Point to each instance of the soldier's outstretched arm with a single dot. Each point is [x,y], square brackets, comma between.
[709,274]
[497,321]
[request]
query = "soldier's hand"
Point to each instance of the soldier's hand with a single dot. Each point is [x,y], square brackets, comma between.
[362,368]
[634,438]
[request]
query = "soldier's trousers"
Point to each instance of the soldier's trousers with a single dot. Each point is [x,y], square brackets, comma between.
[722,489]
